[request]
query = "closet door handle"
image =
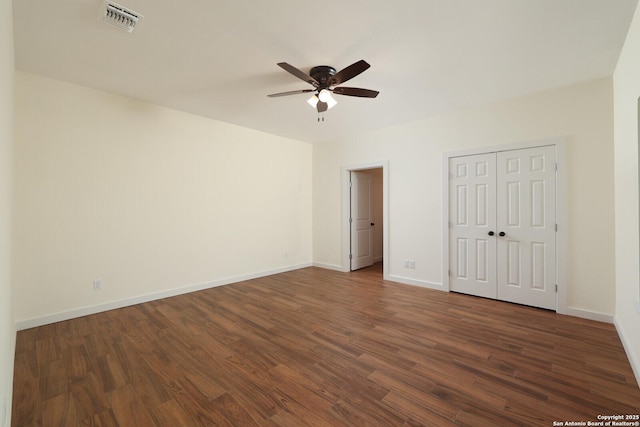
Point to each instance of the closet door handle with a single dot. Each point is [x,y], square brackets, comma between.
[491,233]
[502,234]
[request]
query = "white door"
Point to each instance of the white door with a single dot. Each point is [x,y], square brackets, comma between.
[502,226]
[361,221]
[472,221]
[527,216]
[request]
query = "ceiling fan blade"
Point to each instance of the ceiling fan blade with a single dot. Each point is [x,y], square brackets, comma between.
[299,74]
[292,92]
[348,73]
[322,107]
[356,91]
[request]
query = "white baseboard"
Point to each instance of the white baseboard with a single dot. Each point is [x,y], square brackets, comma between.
[634,359]
[415,282]
[330,267]
[576,312]
[587,314]
[391,278]
[6,396]
[85,311]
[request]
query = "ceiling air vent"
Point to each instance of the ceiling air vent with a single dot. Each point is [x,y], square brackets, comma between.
[119,16]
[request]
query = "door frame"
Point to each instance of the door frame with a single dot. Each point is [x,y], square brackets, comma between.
[346,203]
[561,208]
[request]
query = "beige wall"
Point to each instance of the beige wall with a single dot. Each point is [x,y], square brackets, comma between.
[148,200]
[626,95]
[582,113]
[7,328]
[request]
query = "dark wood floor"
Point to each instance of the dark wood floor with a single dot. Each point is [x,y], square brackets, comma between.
[316,347]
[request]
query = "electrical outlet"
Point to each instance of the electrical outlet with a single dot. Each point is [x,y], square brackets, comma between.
[286,254]
[97,285]
[409,263]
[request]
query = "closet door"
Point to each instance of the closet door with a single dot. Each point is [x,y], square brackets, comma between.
[472,219]
[526,214]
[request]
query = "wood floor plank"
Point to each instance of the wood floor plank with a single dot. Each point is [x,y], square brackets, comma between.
[27,402]
[26,365]
[128,409]
[197,408]
[89,396]
[60,411]
[257,398]
[284,374]
[325,348]
[111,372]
[288,403]
[53,379]
[47,351]
[428,411]
[76,360]
[415,391]
[234,412]
[359,412]
[103,419]
[170,413]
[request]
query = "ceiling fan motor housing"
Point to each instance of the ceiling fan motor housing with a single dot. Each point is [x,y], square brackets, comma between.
[323,74]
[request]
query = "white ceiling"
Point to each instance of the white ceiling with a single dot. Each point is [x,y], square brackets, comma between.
[217,58]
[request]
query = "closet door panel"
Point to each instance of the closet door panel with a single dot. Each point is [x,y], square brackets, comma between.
[526,195]
[472,215]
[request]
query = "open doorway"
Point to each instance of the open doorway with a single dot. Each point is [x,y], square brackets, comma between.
[365,217]
[365,220]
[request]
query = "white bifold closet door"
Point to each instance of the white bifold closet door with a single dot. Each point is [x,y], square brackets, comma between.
[502,226]
[472,217]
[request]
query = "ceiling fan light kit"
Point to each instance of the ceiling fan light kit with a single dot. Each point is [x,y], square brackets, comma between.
[324,95]
[323,78]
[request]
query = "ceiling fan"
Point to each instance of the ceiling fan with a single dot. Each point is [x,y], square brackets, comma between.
[323,78]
